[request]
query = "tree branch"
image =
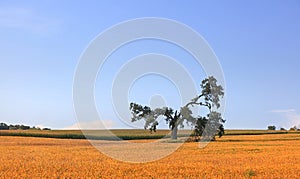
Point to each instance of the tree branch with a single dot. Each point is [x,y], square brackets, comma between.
[194,101]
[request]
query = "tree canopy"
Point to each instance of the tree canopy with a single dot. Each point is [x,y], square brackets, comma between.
[209,98]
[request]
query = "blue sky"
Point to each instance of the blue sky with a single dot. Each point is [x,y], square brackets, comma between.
[256,42]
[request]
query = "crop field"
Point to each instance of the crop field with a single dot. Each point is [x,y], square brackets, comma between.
[92,134]
[232,156]
[125,134]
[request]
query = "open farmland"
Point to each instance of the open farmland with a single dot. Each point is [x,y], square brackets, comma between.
[232,156]
[126,134]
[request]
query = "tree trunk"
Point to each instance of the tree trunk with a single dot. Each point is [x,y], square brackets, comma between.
[174,132]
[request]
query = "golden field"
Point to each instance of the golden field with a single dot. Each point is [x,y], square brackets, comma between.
[238,156]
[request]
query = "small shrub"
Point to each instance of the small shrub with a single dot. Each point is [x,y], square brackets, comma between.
[250,173]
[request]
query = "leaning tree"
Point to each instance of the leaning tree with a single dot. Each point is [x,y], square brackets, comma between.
[209,98]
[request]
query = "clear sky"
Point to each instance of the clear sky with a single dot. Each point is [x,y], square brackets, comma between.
[256,42]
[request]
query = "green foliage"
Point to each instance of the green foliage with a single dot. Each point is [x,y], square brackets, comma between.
[271,127]
[150,116]
[209,98]
[206,126]
[4,126]
[211,91]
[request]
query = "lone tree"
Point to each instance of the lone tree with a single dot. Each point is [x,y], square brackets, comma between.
[209,98]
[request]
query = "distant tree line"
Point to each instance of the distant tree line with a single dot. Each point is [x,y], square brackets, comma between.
[4,126]
[294,128]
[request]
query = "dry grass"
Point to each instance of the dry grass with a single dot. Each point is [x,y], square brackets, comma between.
[264,156]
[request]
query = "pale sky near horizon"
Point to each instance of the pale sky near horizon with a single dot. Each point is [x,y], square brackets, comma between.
[256,42]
